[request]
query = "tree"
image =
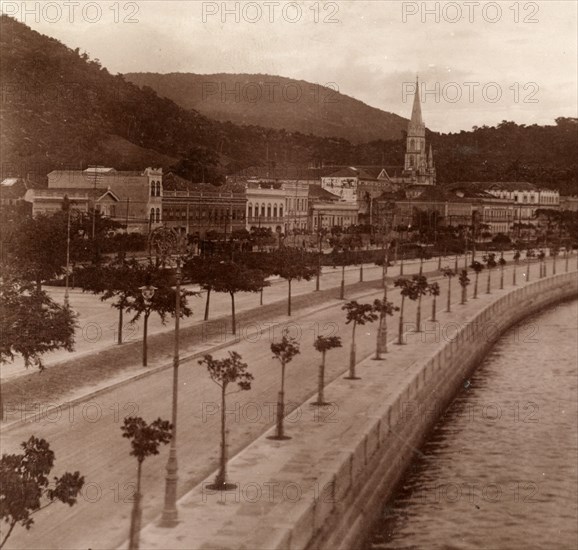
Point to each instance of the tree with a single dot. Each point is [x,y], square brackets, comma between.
[433,289]
[450,274]
[464,282]
[323,344]
[478,268]
[343,258]
[25,487]
[541,257]
[162,301]
[291,264]
[203,271]
[530,253]
[516,260]
[119,280]
[383,308]
[490,261]
[223,372]
[232,277]
[37,249]
[407,291]
[31,324]
[284,352]
[421,289]
[554,251]
[145,440]
[357,314]
[502,262]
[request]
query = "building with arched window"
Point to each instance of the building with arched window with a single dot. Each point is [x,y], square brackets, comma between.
[266,206]
[126,196]
[199,208]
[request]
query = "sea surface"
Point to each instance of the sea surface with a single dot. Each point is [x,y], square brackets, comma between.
[500,469]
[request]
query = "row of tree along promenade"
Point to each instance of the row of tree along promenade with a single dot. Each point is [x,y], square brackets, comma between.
[234,373]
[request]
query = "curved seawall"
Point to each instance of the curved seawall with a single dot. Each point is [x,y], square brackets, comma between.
[324,488]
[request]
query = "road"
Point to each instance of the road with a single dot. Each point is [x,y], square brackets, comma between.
[87,438]
[98,321]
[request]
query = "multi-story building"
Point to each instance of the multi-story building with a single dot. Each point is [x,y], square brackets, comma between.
[266,206]
[133,198]
[296,204]
[199,208]
[455,206]
[326,210]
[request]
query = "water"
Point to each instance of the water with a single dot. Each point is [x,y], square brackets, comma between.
[499,470]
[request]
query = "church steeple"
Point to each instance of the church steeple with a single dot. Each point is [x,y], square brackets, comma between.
[418,163]
[416,119]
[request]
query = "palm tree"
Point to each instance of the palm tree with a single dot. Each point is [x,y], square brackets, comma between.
[384,308]
[502,263]
[541,256]
[554,251]
[449,273]
[433,290]
[407,291]
[464,282]
[516,260]
[490,261]
[529,255]
[323,344]
[421,288]
[478,268]
[284,352]
[358,314]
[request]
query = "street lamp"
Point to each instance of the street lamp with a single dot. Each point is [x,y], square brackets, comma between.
[147,291]
[166,241]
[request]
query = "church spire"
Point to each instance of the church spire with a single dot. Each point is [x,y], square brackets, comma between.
[416,119]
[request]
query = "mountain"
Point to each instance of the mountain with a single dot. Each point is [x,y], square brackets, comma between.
[276,102]
[60,109]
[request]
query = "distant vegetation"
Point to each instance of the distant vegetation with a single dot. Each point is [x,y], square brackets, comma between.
[60,109]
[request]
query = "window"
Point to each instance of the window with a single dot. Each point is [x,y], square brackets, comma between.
[268,210]
[158,215]
[281,211]
[275,210]
[263,209]
[250,210]
[152,188]
[152,215]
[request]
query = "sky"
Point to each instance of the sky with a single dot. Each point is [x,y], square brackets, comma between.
[478,62]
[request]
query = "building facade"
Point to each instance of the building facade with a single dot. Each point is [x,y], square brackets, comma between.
[133,198]
[197,209]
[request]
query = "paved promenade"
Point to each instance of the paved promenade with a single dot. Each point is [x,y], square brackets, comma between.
[279,483]
[87,437]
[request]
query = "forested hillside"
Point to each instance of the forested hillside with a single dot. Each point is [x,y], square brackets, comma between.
[62,109]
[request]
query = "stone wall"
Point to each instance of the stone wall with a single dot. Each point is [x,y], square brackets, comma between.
[371,473]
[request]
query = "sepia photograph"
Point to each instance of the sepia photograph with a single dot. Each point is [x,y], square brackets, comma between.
[288,275]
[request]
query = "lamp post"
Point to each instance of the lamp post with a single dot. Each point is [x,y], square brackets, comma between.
[170,514]
[147,291]
[167,241]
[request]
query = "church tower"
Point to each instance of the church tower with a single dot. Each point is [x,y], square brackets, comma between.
[419,167]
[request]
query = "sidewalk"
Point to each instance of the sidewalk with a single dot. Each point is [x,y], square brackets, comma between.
[285,489]
[87,437]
